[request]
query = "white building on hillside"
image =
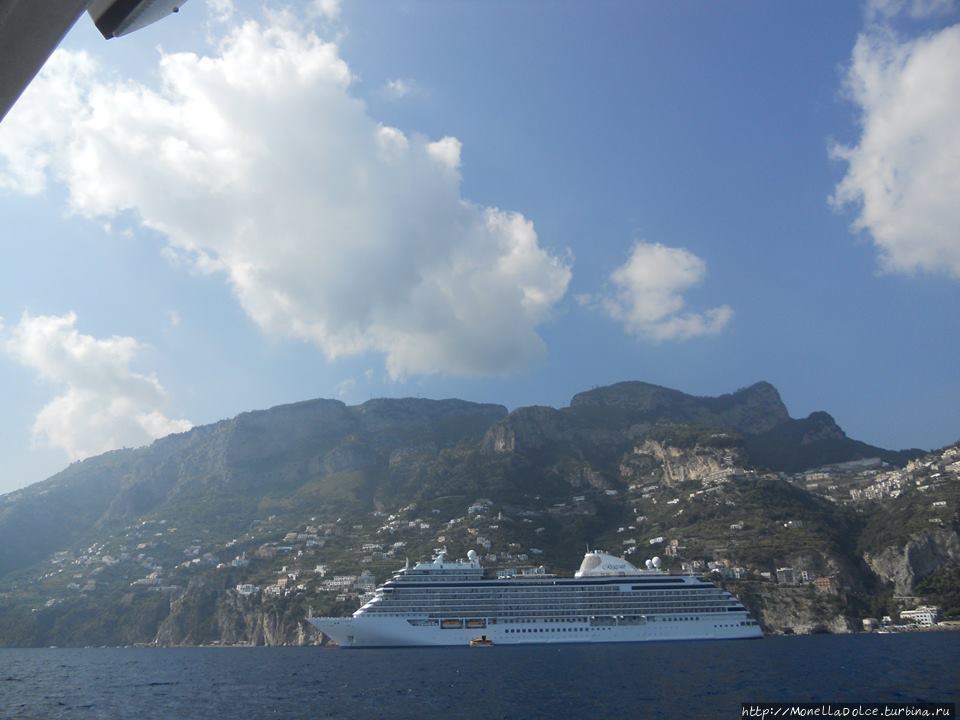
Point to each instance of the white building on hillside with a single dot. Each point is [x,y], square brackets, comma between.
[925,615]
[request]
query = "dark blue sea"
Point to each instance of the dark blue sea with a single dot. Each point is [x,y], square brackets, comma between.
[655,680]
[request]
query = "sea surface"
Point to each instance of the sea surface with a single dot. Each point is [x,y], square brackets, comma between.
[654,680]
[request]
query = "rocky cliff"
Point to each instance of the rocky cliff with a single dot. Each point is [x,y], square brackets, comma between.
[207,614]
[794,610]
[751,410]
[662,462]
[905,566]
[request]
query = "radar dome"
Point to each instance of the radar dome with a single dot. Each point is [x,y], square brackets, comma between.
[649,564]
[472,555]
[656,562]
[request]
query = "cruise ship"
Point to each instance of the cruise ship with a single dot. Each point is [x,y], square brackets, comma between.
[446,602]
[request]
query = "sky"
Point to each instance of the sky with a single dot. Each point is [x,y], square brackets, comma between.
[252,204]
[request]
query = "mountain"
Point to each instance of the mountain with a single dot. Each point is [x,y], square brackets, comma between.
[797,445]
[218,475]
[148,544]
[610,418]
[754,409]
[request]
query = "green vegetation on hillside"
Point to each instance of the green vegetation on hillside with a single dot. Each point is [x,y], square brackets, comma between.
[942,588]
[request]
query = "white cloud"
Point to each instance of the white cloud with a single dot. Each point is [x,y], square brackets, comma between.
[648,295]
[346,388]
[104,404]
[258,163]
[36,129]
[904,173]
[326,9]
[917,9]
[220,10]
[446,151]
[397,89]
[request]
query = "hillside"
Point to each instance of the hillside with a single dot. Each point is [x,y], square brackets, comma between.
[217,477]
[150,544]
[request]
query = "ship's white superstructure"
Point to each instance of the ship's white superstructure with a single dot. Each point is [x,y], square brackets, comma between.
[447,602]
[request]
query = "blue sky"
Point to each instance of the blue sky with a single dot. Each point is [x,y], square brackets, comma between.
[244,206]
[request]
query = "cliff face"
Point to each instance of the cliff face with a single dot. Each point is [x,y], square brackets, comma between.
[923,554]
[793,610]
[610,416]
[206,614]
[654,460]
[253,621]
[609,419]
[528,429]
[751,410]
[603,424]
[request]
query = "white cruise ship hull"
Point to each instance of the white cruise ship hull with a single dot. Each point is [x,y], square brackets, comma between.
[373,632]
[608,600]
